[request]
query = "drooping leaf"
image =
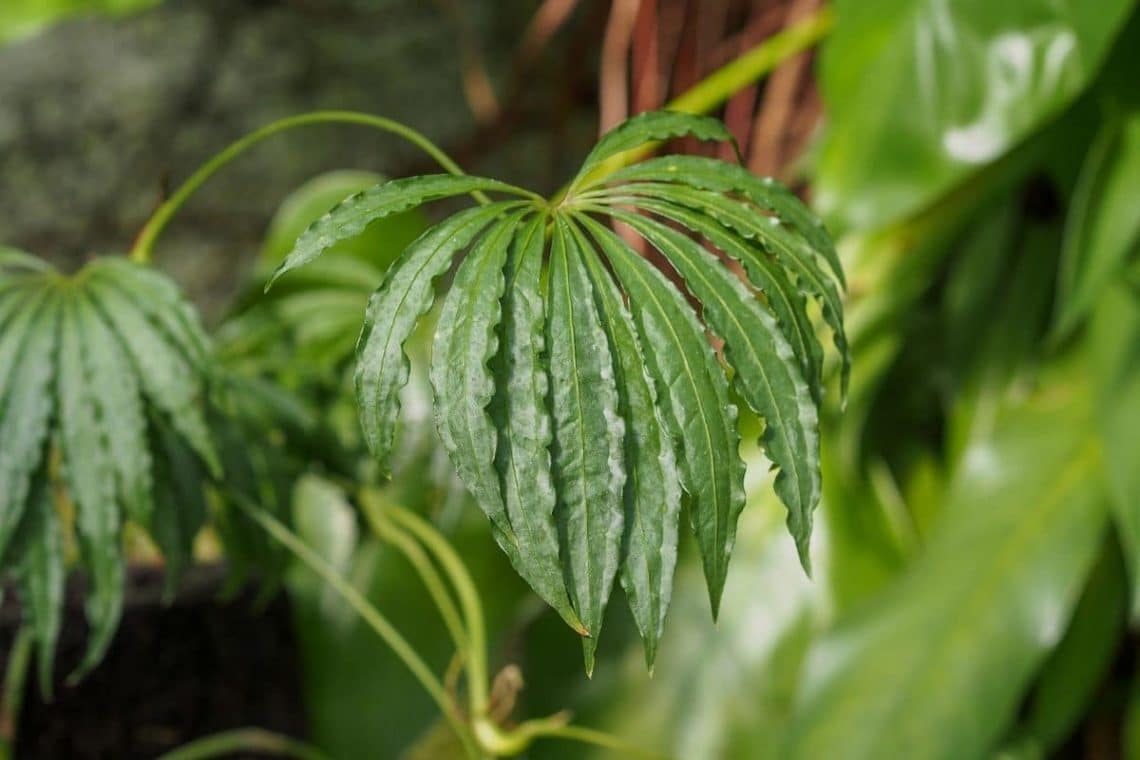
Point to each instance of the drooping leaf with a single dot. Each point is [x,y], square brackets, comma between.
[162,303]
[790,249]
[694,391]
[38,558]
[465,342]
[936,665]
[653,489]
[121,418]
[588,454]
[179,500]
[648,127]
[766,376]
[768,194]
[353,215]
[166,374]
[523,421]
[90,477]
[786,302]
[28,346]
[393,310]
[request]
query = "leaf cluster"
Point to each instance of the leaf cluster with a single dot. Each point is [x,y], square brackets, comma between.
[584,393]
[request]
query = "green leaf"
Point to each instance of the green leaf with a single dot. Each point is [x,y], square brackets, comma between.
[921,93]
[27,349]
[38,558]
[121,419]
[694,391]
[521,416]
[90,478]
[12,258]
[1103,229]
[161,301]
[1114,360]
[165,372]
[651,126]
[935,666]
[589,467]
[354,214]
[720,177]
[790,250]
[766,377]
[1069,680]
[653,488]
[393,310]
[180,503]
[785,301]
[465,342]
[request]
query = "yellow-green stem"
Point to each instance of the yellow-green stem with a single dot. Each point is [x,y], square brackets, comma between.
[469,601]
[19,658]
[244,741]
[142,250]
[389,532]
[372,616]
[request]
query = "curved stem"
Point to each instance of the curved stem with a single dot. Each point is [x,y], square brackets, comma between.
[468,600]
[393,534]
[244,740]
[144,244]
[598,739]
[375,620]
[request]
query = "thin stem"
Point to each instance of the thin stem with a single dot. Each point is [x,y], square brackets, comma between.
[393,534]
[244,740]
[719,86]
[375,620]
[468,600]
[144,244]
[599,739]
[19,658]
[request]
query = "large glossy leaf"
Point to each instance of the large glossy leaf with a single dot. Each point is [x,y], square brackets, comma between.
[523,420]
[1103,228]
[696,408]
[766,376]
[393,310]
[935,666]
[1115,362]
[921,93]
[588,446]
[653,487]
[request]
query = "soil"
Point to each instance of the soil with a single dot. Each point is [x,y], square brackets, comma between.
[173,673]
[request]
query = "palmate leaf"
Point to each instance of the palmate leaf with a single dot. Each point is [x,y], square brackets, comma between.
[100,369]
[579,392]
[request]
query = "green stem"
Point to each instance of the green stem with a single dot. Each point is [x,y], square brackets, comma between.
[244,740]
[19,658]
[375,620]
[393,534]
[722,84]
[598,739]
[468,600]
[144,244]
[739,73]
